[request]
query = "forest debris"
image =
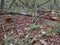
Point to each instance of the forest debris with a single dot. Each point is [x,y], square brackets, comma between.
[21,31]
[43,32]
[43,42]
[41,26]
[33,41]
[8,20]
[54,18]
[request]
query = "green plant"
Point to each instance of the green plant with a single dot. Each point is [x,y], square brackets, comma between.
[50,32]
[33,26]
[54,31]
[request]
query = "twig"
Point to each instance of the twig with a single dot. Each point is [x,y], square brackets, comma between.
[11,4]
[43,3]
[24,4]
[4,31]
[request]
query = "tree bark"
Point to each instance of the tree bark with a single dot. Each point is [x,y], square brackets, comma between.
[2,6]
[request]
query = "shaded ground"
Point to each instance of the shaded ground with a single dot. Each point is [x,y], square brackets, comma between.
[16,25]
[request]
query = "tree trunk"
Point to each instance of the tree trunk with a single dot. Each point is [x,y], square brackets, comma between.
[1,5]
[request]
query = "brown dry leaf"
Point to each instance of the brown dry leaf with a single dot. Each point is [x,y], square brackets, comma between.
[53,12]
[8,20]
[28,24]
[50,27]
[54,18]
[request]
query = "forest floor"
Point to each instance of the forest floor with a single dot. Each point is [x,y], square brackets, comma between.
[14,31]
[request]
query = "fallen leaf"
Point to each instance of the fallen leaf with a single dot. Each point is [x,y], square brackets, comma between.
[54,18]
[8,20]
